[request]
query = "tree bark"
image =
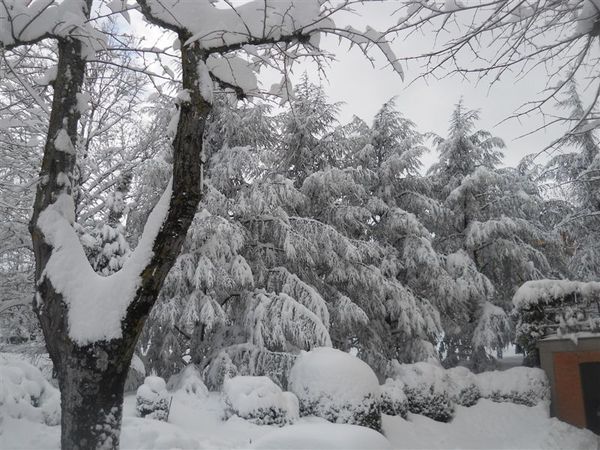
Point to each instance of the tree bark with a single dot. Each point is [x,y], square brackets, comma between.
[92,377]
[91,383]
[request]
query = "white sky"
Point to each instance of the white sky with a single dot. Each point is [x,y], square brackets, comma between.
[364,89]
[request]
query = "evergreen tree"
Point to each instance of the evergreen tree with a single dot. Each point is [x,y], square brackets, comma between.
[307,142]
[577,174]
[493,228]
[106,246]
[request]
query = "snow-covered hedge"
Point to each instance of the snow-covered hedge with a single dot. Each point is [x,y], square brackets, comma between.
[25,393]
[521,385]
[189,380]
[393,399]
[259,400]
[462,386]
[337,386]
[152,400]
[426,388]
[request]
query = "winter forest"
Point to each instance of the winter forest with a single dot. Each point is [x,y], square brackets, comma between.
[198,249]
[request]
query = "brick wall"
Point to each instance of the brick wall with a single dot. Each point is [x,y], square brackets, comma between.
[569,394]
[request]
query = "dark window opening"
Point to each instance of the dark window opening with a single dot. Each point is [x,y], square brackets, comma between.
[590,383]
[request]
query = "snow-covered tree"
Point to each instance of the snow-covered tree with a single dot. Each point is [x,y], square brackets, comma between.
[308,143]
[106,245]
[494,227]
[363,197]
[23,117]
[577,176]
[87,318]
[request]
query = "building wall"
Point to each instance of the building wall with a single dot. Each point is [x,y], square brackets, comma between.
[569,395]
[560,359]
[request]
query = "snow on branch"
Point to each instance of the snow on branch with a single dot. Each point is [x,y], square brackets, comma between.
[369,38]
[280,280]
[559,37]
[549,291]
[96,304]
[239,39]
[493,330]
[218,29]
[26,22]
[480,233]
[271,320]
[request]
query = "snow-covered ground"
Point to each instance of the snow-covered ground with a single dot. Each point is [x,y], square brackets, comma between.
[195,423]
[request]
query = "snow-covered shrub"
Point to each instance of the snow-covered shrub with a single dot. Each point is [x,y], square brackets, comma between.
[393,399]
[220,369]
[337,386]
[152,400]
[545,307]
[248,360]
[189,380]
[426,388]
[135,375]
[521,385]
[259,400]
[462,386]
[25,393]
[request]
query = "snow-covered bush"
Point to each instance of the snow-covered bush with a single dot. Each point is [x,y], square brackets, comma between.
[337,386]
[135,375]
[152,400]
[248,360]
[393,399]
[426,388]
[220,369]
[259,400]
[521,385]
[189,380]
[25,393]
[462,386]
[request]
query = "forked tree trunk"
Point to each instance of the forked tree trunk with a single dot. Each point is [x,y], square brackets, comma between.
[92,377]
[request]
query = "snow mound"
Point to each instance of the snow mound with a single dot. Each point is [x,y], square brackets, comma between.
[426,387]
[521,385]
[462,386]
[259,400]
[489,425]
[337,386]
[152,400]
[189,380]
[26,394]
[143,434]
[323,436]
[393,399]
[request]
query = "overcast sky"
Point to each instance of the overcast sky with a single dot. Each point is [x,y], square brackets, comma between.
[363,89]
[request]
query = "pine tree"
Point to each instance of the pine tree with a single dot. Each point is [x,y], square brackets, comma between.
[577,175]
[363,198]
[307,143]
[493,228]
[107,247]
